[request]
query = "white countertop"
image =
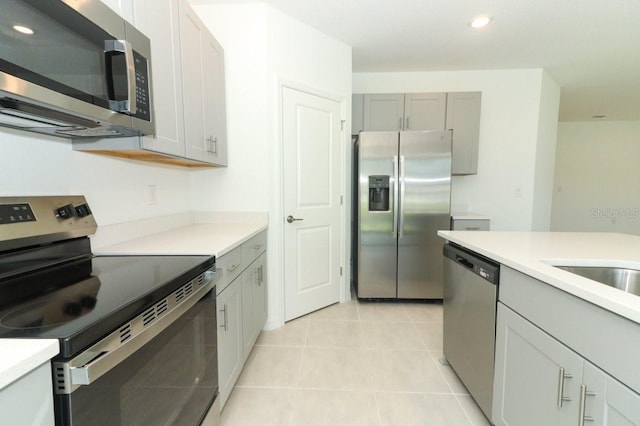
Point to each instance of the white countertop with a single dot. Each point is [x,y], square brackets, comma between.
[212,239]
[533,253]
[20,356]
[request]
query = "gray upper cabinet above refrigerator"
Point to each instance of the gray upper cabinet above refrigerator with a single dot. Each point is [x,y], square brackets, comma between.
[457,111]
[463,117]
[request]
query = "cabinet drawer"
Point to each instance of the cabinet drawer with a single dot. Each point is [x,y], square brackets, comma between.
[229,267]
[253,247]
[470,224]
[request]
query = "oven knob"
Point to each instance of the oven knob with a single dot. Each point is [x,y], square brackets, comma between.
[83,210]
[65,212]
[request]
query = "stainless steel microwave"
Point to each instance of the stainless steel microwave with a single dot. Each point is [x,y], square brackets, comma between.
[75,69]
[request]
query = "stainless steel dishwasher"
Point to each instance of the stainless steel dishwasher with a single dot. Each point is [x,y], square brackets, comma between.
[470,296]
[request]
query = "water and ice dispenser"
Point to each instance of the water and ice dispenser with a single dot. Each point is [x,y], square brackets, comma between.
[379,193]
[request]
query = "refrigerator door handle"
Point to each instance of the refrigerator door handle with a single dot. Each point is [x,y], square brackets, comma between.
[400,202]
[395,196]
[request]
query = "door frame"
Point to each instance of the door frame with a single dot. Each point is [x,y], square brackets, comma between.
[277,200]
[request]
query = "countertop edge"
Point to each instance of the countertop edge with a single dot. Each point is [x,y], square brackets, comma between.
[613,300]
[19,357]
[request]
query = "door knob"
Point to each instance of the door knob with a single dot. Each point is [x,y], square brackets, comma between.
[291,219]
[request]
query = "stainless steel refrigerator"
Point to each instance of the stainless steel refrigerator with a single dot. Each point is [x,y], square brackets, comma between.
[404,187]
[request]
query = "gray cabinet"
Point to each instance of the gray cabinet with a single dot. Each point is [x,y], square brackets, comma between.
[230,360]
[241,290]
[458,224]
[399,111]
[541,381]
[557,361]
[204,94]
[458,111]
[160,21]
[463,117]
[254,302]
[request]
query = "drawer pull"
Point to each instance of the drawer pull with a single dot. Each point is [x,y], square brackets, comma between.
[224,311]
[233,267]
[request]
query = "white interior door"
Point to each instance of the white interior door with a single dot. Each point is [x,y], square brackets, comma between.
[311,195]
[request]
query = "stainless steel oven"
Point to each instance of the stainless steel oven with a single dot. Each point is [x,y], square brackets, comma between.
[137,334]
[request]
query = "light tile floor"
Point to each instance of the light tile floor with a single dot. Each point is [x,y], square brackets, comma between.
[355,363]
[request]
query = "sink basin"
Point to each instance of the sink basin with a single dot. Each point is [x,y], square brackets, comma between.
[621,278]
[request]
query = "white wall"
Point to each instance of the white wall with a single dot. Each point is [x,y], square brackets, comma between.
[117,189]
[597,177]
[545,154]
[516,108]
[263,50]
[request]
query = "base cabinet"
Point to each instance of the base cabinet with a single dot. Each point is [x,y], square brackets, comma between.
[29,400]
[540,381]
[230,360]
[254,300]
[242,308]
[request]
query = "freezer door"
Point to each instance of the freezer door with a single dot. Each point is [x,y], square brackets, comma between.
[377,244]
[424,208]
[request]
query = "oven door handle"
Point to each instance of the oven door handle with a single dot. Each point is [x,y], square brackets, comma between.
[102,357]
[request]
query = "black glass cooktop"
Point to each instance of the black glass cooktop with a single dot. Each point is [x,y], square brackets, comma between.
[81,301]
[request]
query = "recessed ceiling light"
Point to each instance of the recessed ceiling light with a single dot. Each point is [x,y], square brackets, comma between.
[22,29]
[480,21]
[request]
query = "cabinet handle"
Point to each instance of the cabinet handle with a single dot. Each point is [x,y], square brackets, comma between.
[561,376]
[581,410]
[260,275]
[233,267]
[213,145]
[400,123]
[407,126]
[224,311]
[472,228]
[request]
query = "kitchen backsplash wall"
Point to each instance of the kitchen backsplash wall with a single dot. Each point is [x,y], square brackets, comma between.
[596,177]
[118,190]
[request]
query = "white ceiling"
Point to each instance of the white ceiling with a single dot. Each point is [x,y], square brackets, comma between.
[590,47]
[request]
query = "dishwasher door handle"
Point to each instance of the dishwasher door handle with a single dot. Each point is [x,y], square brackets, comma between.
[464,262]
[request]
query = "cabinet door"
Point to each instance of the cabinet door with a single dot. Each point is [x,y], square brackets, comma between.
[159,20]
[122,8]
[424,111]
[536,376]
[357,113]
[463,117]
[254,303]
[383,112]
[230,359]
[214,103]
[606,401]
[193,86]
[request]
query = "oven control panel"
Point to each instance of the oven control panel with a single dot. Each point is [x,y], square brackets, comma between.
[42,219]
[16,213]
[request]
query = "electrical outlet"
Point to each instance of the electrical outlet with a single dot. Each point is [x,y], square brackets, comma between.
[153,195]
[517,192]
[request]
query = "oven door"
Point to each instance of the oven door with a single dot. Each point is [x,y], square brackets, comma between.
[171,379]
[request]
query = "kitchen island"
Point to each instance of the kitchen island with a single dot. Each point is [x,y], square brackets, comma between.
[566,346]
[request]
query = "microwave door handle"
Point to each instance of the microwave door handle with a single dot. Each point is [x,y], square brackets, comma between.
[123,46]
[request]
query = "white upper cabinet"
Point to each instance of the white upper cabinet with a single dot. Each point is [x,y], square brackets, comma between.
[159,20]
[203,83]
